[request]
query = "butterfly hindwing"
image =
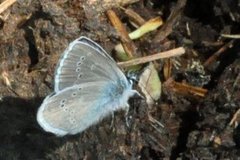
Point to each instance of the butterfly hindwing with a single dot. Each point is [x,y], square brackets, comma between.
[75,108]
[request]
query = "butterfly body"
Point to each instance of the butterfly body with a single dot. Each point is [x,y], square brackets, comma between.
[88,87]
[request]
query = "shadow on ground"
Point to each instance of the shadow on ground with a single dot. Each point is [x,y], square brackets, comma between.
[21,136]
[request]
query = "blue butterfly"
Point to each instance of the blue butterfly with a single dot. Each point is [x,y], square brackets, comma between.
[88,86]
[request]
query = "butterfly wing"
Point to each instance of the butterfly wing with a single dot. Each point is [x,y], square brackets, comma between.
[85,61]
[96,46]
[75,108]
[88,86]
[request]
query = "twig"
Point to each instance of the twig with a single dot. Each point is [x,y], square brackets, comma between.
[217,54]
[4,5]
[167,54]
[167,69]
[233,36]
[148,26]
[235,119]
[5,77]
[172,19]
[127,43]
[212,44]
[184,88]
[133,16]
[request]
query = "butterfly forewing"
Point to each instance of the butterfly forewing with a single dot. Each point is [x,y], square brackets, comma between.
[93,44]
[83,63]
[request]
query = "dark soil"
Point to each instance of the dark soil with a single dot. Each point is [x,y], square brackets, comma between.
[33,34]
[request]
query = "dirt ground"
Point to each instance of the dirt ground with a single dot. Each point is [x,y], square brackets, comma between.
[33,35]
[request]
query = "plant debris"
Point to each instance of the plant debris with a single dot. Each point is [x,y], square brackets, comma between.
[150,84]
[193,46]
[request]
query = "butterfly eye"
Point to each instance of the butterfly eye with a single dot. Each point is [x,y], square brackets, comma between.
[77,69]
[65,109]
[72,120]
[79,75]
[63,101]
[79,63]
[74,94]
[82,58]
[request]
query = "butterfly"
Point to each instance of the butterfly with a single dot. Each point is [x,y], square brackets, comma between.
[88,86]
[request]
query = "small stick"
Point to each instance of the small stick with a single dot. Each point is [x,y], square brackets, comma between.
[4,5]
[212,44]
[5,77]
[171,20]
[167,68]
[149,26]
[233,36]
[127,43]
[217,54]
[234,121]
[135,17]
[167,54]
[184,88]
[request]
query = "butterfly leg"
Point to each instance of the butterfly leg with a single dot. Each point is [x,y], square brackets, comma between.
[138,94]
[126,114]
[112,121]
[155,123]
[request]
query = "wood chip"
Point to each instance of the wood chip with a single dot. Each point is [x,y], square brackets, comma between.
[4,5]
[167,54]
[127,43]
